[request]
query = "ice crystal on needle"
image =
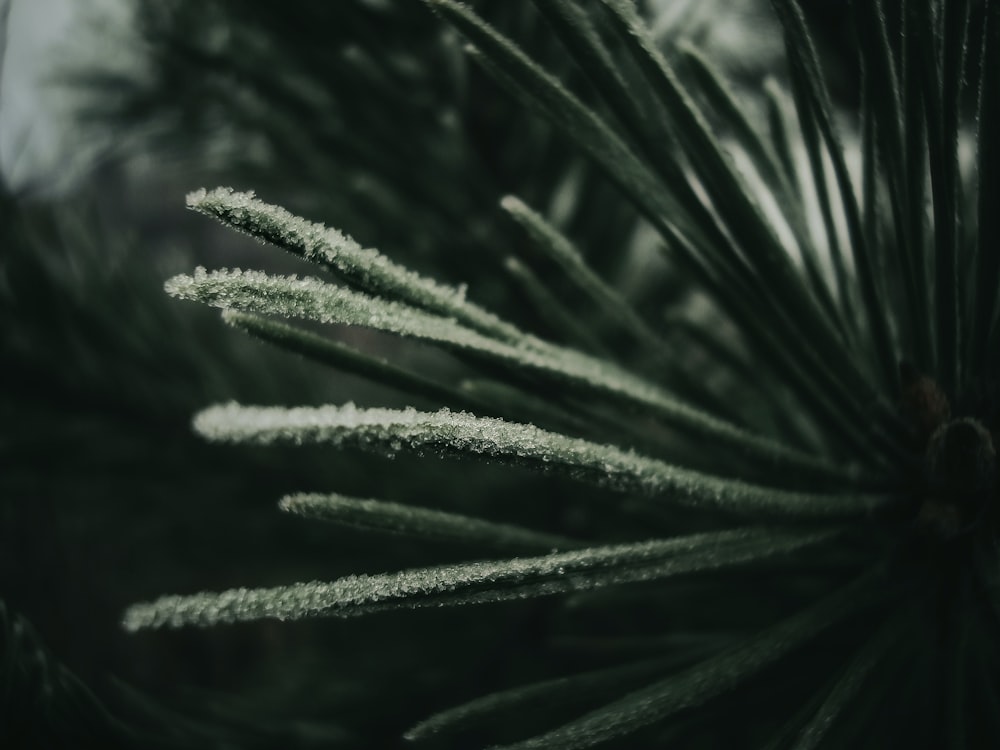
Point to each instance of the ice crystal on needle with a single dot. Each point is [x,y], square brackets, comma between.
[464,434]
[476,582]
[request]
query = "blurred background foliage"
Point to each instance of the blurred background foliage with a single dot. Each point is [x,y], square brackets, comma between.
[364,114]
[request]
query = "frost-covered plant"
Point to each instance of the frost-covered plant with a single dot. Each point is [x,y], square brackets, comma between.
[843,466]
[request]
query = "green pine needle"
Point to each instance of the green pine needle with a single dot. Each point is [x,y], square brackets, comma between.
[364,268]
[457,433]
[476,582]
[422,523]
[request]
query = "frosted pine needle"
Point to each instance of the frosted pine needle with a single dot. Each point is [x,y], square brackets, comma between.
[447,432]
[476,582]
[364,268]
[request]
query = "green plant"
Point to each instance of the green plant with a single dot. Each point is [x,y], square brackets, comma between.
[808,449]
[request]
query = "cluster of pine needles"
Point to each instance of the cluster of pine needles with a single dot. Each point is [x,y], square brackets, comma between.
[761,480]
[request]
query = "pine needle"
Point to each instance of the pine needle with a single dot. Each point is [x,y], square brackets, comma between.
[424,523]
[456,433]
[557,317]
[348,359]
[575,689]
[475,582]
[849,684]
[986,282]
[813,97]
[557,247]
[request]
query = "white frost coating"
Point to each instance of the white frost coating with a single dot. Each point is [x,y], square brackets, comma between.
[445,431]
[331,248]
[312,299]
[473,583]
